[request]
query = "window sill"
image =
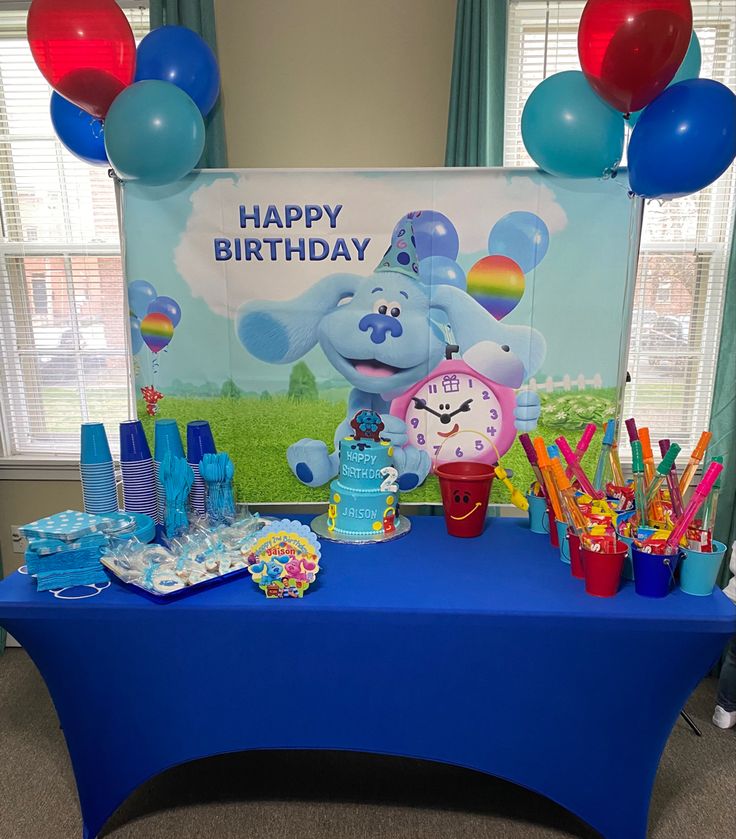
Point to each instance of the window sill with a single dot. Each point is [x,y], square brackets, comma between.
[38,469]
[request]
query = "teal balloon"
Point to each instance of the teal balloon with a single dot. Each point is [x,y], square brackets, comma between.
[689,69]
[570,132]
[140,295]
[439,270]
[136,339]
[154,133]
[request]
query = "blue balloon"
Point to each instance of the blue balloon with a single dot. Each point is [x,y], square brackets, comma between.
[136,339]
[154,133]
[439,270]
[140,295]
[685,139]
[689,69]
[569,131]
[166,306]
[79,132]
[178,55]
[520,236]
[434,234]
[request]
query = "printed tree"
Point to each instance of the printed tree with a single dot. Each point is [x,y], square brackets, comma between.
[302,384]
[265,395]
[230,390]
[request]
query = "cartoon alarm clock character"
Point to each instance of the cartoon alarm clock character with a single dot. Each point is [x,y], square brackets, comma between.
[455,411]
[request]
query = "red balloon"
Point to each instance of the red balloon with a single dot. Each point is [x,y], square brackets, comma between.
[630,50]
[84,48]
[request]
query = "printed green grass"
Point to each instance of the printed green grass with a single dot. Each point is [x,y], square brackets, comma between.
[256,433]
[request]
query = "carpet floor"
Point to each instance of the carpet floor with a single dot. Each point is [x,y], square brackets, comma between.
[329,795]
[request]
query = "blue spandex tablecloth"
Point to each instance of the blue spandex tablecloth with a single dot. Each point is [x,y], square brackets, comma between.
[484,653]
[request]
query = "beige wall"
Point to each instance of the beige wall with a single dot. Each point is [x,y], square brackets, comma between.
[310,83]
[335,82]
[24,501]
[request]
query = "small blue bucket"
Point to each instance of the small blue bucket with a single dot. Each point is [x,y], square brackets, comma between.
[699,570]
[537,514]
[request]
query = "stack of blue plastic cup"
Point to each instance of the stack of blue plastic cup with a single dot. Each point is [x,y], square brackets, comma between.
[136,464]
[96,470]
[199,442]
[166,438]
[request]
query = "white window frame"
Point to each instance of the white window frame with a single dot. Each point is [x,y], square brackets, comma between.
[46,465]
[714,230]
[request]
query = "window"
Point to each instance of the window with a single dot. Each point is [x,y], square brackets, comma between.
[63,357]
[680,282]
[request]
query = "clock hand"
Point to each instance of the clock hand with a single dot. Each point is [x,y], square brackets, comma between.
[422,406]
[464,407]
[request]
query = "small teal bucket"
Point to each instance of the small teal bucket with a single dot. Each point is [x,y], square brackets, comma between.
[628,572]
[537,514]
[564,543]
[699,571]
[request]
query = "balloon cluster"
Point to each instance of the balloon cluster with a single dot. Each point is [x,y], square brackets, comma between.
[142,113]
[153,318]
[640,62]
[517,243]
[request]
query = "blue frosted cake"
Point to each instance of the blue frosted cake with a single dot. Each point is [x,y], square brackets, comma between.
[364,498]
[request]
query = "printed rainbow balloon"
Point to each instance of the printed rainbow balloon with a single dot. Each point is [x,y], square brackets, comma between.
[156,330]
[497,283]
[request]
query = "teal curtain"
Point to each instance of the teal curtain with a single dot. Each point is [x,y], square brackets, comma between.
[475,123]
[198,15]
[723,416]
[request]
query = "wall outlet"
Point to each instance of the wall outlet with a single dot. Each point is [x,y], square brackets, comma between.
[19,542]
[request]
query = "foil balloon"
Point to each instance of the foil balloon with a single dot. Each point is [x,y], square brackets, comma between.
[157,331]
[497,283]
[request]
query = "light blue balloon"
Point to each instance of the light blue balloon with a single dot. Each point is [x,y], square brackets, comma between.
[154,133]
[136,339]
[520,236]
[569,131]
[689,69]
[140,295]
[439,270]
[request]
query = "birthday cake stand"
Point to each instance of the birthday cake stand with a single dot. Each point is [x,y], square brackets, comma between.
[319,526]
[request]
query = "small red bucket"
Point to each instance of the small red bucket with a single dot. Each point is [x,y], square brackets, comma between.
[577,568]
[554,538]
[603,570]
[465,487]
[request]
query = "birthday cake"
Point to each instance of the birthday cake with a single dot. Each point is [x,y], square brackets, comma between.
[364,498]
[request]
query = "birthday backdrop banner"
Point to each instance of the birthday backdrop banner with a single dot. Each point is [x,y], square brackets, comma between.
[463,305]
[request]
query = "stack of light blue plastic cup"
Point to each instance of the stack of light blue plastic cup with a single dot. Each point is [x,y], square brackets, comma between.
[166,438]
[96,470]
[199,443]
[136,464]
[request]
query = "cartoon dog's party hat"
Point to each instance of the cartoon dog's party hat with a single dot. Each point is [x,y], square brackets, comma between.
[401,256]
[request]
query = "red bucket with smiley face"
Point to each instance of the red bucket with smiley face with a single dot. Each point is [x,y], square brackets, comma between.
[465,490]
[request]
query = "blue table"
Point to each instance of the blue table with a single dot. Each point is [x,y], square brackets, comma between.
[483,653]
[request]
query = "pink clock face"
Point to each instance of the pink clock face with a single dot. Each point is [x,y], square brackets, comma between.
[455,416]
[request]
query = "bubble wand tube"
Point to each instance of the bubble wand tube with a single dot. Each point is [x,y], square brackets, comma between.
[673,483]
[616,471]
[577,469]
[528,446]
[631,428]
[662,472]
[701,492]
[544,465]
[710,508]
[694,462]
[655,511]
[582,446]
[637,467]
[605,456]
[573,513]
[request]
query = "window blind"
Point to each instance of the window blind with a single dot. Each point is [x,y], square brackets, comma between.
[63,357]
[681,275]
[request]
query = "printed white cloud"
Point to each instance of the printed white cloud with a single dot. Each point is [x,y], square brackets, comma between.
[372,204]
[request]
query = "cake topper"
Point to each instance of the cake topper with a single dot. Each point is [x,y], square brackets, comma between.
[367,425]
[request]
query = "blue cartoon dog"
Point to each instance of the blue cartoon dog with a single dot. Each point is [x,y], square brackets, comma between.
[384,333]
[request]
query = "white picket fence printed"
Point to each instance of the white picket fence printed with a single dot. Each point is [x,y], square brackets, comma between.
[566,383]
